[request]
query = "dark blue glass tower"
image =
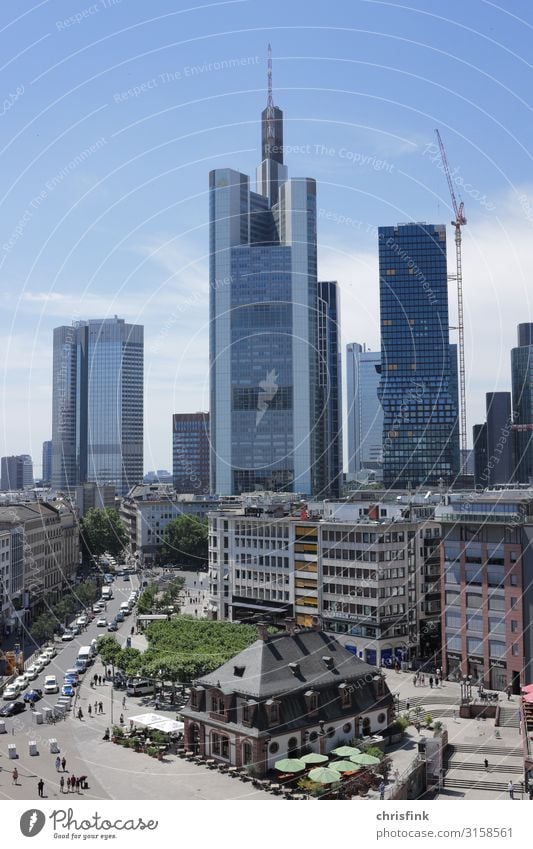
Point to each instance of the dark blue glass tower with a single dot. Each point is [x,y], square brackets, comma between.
[420,433]
[522,380]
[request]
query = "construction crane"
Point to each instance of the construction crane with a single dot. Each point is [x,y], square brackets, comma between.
[460,221]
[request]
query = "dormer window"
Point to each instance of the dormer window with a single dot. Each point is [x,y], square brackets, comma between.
[217,704]
[272,708]
[248,711]
[312,700]
[345,696]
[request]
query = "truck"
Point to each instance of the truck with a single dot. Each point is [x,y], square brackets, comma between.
[85,656]
[107,593]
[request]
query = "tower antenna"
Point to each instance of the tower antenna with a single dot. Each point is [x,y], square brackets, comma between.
[270,100]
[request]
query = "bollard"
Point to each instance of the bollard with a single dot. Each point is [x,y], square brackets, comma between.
[32,747]
[12,751]
[54,748]
[2,727]
[38,717]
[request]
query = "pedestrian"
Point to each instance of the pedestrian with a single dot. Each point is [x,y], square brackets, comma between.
[15,775]
[99,680]
[455,716]
[121,720]
[415,679]
[80,714]
[100,707]
[486,765]
[509,691]
[407,705]
[510,788]
[63,763]
[77,785]
[90,710]
[62,783]
[382,790]
[40,787]
[431,681]
[124,701]
[58,763]
[96,707]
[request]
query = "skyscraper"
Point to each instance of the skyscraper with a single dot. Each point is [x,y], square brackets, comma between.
[190,452]
[47,462]
[97,406]
[264,392]
[481,474]
[522,385]
[499,438]
[420,415]
[16,472]
[330,387]
[365,413]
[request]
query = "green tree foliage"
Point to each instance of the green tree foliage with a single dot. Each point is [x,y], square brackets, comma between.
[185,542]
[185,648]
[128,660]
[101,531]
[43,627]
[108,649]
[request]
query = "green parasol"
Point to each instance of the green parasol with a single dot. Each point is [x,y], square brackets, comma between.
[343,766]
[314,758]
[364,760]
[290,765]
[346,751]
[323,775]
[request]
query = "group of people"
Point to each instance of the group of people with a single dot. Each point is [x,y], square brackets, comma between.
[73,783]
[419,679]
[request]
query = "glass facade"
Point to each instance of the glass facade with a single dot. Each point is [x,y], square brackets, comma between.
[97,410]
[264,394]
[522,385]
[420,413]
[190,452]
[365,413]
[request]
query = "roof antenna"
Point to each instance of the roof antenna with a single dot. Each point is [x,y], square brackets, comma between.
[270,100]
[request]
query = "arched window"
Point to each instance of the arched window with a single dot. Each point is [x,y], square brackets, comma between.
[292,747]
[366,725]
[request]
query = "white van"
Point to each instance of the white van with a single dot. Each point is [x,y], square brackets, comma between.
[125,607]
[139,687]
[85,654]
[50,684]
[107,593]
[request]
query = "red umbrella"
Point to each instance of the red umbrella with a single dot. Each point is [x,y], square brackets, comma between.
[528,688]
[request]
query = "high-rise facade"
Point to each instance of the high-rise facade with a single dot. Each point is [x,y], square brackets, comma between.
[420,433]
[190,452]
[365,413]
[16,472]
[47,462]
[264,389]
[330,388]
[97,406]
[499,438]
[479,433]
[522,385]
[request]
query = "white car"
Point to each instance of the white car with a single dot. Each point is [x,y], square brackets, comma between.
[22,682]
[51,685]
[50,652]
[101,623]
[32,671]
[82,620]
[43,660]
[67,636]
[11,692]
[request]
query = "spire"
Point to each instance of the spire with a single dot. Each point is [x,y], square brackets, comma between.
[270,101]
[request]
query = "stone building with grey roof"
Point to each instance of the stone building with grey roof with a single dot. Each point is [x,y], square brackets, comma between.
[286,694]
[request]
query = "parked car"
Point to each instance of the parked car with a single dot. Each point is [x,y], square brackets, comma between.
[12,709]
[44,660]
[82,620]
[126,577]
[67,690]
[112,627]
[51,685]
[33,696]
[101,623]
[119,617]
[32,671]
[22,681]
[67,636]
[119,681]
[12,691]
[50,651]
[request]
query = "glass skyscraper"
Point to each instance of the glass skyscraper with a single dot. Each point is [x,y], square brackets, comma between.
[420,431]
[97,407]
[265,394]
[330,386]
[365,413]
[190,452]
[522,384]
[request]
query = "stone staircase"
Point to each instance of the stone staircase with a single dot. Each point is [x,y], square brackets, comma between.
[509,717]
[505,764]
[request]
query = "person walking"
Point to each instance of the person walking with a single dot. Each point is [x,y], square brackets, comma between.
[509,691]
[382,790]
[486,765]
[90,710]
[124,701]
[407,705]
[121,720]
[96,707]
[15,775]
[80,714]
[95,679]
[78,785]
[58,763]
[431,681]
[63,762]
[40,787]
[415,680]
[100,707]
[99,680]
[62,783]
[510,788]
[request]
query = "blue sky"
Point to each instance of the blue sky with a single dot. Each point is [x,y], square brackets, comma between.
[113,112]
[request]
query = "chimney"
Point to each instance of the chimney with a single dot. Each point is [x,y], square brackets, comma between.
[262,631]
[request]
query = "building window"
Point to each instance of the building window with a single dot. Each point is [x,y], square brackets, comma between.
[273,748]
[247,754]
[381,718]
[347,728]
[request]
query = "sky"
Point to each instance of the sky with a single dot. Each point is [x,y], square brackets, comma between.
[112,113]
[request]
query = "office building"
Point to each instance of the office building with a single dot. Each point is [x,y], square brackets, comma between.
[365,413]
[97,406]
[16,472]
[499,438]
[264,388]
[47,463]
[522,386]
[481,475]
[487,596]
[420,434]
[330,389]
[190,452]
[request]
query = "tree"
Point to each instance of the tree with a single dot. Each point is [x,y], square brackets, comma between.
[108,649]
[87,592]
[128,661]
[102,531]
[43,628]
[185,542]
